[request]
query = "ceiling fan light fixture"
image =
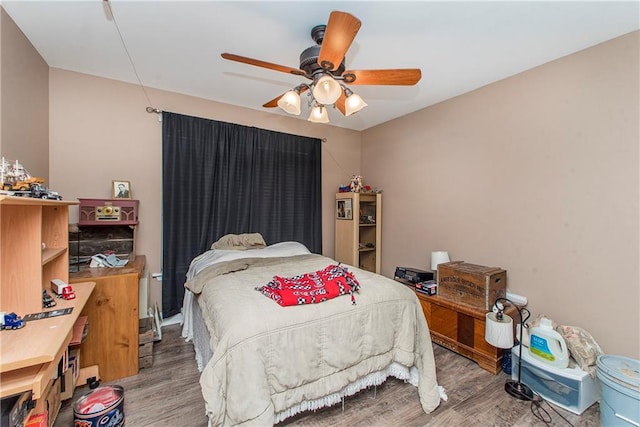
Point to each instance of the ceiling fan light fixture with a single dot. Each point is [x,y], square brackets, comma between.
[323,65]
[353,103]
[319,114]
[326,90]
[290,102]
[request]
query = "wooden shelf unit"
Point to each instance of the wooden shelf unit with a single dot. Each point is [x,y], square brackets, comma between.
[358,237]
[33,251]
[34,244]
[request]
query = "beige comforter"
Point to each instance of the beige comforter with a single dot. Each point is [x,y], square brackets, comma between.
[270,361]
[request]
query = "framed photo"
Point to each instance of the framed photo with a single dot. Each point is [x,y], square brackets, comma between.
[121,190]
[344,209]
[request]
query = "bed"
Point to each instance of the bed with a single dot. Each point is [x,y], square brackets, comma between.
[261,362]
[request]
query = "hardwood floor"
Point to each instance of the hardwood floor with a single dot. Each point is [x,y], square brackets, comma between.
[168,394]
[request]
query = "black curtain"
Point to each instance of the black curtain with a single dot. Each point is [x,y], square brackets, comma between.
[220,178]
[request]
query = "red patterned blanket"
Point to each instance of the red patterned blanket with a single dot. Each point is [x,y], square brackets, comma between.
[311,288]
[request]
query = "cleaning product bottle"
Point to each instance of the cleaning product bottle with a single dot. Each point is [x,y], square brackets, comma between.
[547,345]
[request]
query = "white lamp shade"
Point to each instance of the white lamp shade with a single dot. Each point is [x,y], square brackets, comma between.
[319,115]
[326,90]
[438,257]
[290,102]
[498,333]
[353,104]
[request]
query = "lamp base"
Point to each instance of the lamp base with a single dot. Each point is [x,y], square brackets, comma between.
[518,390]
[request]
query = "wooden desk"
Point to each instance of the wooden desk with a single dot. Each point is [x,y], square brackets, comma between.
[30,355]
[112,310]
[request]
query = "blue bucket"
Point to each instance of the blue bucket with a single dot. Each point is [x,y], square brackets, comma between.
[101,407]
[619,379]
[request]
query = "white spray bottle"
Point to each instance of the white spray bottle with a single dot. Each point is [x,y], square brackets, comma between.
[547,345]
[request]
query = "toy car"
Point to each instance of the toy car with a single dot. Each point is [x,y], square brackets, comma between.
[41,192]
[62,290]
[47,301]
[11,321]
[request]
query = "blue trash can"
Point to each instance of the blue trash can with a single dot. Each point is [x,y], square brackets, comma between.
[619,380]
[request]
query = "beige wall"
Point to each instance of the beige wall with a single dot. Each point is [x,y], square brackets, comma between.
[100,131]
[537,174]
[24,100]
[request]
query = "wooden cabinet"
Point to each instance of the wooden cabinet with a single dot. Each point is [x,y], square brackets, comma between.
[460,328]
[112,310]
[34,249]
[358,230]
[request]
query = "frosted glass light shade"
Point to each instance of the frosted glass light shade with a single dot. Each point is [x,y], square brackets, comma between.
[290,102]
[498,333]
[326,90]
[319,115]
[438,257]
[353,104]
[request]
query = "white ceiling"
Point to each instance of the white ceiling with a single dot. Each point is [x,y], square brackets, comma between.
[176,45]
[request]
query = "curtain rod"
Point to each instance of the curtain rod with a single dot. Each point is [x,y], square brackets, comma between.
[158,111]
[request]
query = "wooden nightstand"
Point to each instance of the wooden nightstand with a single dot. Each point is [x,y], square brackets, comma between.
[112,309]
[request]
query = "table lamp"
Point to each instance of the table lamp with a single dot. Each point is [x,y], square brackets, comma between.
[438,257]
[499,333]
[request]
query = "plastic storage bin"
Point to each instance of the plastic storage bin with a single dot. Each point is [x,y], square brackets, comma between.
[569,388]
[619,380]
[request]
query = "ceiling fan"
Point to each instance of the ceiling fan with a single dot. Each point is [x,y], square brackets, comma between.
[323,64]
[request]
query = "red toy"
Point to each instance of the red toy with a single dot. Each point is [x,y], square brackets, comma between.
[62,290]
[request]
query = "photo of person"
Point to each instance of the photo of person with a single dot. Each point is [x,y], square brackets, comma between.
[121,190]
[344,209]
[340,208]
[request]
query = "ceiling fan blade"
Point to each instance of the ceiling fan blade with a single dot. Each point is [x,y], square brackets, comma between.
[338,36]
[264,64]
[340,103]
[397,77]
[274,102]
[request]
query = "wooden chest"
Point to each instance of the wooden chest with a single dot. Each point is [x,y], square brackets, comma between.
[471,284]
[460,328]
[88,240]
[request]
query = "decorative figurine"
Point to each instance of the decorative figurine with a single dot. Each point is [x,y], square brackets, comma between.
[15,180]
[356,183]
